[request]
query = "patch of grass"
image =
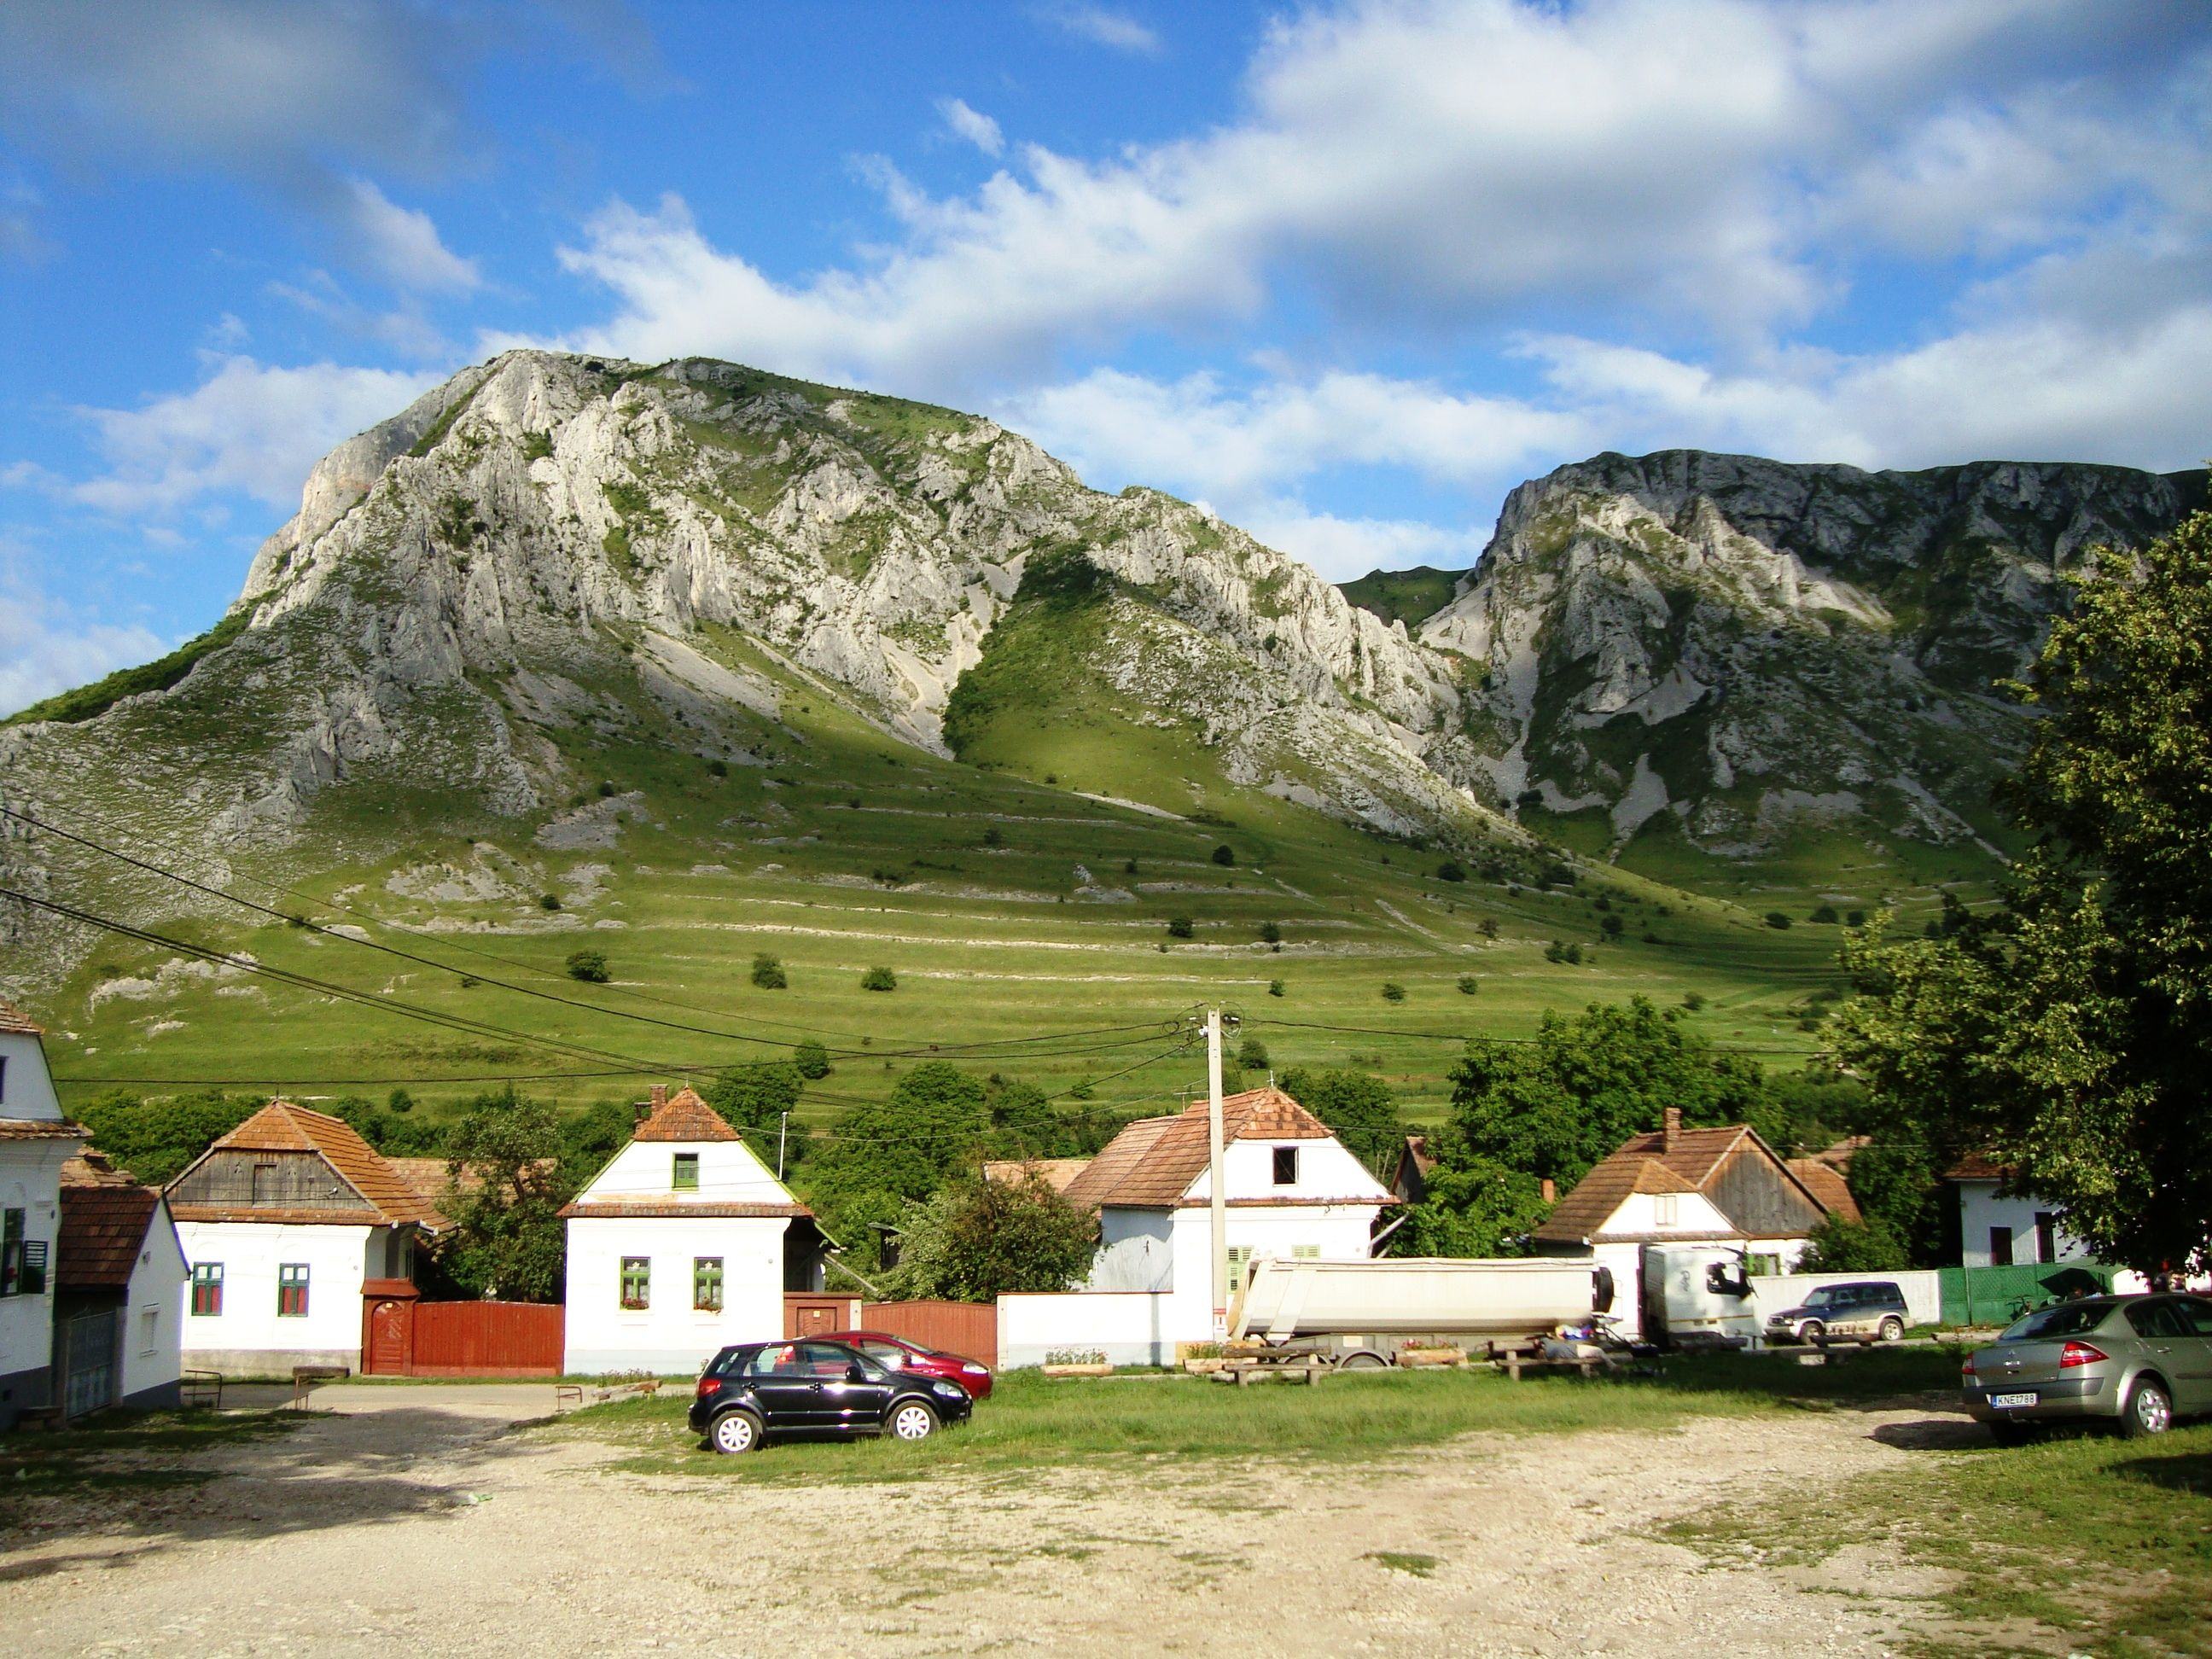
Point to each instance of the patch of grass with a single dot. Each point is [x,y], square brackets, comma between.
[2090,1542]
[89,701]
[122,1450]
[1031,1422]
[1421,1566]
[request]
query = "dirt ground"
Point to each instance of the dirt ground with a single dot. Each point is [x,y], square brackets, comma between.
[423,1519]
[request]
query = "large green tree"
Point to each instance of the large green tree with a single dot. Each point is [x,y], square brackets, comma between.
[154,1140]
[754,1100]
[503,1163]
[2068,1030]
[975,1241]
[882,1154]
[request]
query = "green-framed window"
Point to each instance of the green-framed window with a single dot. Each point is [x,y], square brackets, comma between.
[685,1175]
[207,1289]
[637,1281]
[706,1284]
[292,1291]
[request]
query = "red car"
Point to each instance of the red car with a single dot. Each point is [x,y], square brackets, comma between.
[896,1353]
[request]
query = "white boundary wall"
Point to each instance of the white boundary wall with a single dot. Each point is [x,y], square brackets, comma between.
[1923,1292]
[1130,1328]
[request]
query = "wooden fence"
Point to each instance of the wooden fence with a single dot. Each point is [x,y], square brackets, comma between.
[487,1338]
[969,1330]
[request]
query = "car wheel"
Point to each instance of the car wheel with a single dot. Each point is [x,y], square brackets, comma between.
[734,1432]
[1362,1362]
[913,1421]
[1893,1330]
[1813,1331]
[2149,1409]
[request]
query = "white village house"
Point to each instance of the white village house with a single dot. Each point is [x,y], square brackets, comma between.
[684,1243]
[1292,1192]
[1676,1186]
[35,1141]
[288,1222]
[2001,1227]
[120,1276]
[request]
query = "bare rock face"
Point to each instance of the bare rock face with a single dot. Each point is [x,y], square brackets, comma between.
[1752,646]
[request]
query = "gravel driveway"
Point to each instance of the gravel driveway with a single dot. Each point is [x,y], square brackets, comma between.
[422,1519]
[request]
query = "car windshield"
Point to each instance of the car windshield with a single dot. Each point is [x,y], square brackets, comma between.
[1828,1296]
[2067,1319]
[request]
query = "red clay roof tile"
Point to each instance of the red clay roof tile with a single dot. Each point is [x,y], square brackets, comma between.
[103,1229]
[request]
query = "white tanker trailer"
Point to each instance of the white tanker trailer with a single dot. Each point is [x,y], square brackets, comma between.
[1364,1311]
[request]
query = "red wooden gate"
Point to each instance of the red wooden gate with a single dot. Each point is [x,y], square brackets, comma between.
[969,1330]
[487,1338]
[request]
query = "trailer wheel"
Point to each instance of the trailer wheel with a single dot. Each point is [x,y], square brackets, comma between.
[1363,1361]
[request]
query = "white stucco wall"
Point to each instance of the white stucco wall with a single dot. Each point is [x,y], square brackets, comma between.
[1130,1328]
[728,1174]
[26,1090]
[1922,1292]
[30,1181]
[248,1337]
[1325,1170]
[154,1311]
[1136,1251]
[669,1337]
[1980,1208]
[1690,1213]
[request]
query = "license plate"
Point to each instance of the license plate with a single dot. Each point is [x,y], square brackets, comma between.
[2005,1401]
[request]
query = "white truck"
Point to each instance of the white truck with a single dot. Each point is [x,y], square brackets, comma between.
[1697,1296]
[1360,1313]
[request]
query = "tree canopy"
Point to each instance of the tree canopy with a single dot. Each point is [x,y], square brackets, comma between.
[503,1162]
[975,1241]
[2066,1031]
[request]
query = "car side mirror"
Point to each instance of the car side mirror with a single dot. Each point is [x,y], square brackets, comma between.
[856,1373]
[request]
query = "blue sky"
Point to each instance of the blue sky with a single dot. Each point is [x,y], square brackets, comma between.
[1345,272]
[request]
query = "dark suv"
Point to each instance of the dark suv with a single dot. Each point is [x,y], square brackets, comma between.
[1871,1311]
[759,1389]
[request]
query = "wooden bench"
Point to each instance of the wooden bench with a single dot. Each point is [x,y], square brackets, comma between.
[1530,1357]
[304,1378]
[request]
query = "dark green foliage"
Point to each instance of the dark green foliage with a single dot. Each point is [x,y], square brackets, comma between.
[1825,913]
[979,1240]
[1393,992]
[1252,1053]
[1855,919]
[878,978]
[1224,854]
[1450,870]
[1275,987]
[1488,928]
[753,1100]
[1777,919]
[812,1059]
[394,1133]
[154,1140]
[591,1138]
[768,973]
[1358,1107]
[1468,985]
[885,1153]
[1693,1000]
[1271,932]
[537,445]
[399,1101]
[994,836]
[606,788]
[87,701]
[1612,926]
[1179,927]
[1559,951]
[548,901]
[1852,1247]
[590,966]
[508,1240]
[1473,1206]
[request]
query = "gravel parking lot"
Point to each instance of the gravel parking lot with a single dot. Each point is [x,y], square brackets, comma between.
[425,1518]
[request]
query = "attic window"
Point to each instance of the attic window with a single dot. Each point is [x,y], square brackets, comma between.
[1286,1166]
[1663,1209]
[686,1172]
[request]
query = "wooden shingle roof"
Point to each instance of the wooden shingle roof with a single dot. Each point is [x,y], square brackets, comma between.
[1152,1162]
[17,1022]
[1683,1161]
[386,1195]
[1055,1172]
[1827,1183]
[103,1229]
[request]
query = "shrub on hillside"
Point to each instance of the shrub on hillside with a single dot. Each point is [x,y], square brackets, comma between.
[548,901]
[1450,870]
[1252,1053]
[1274,988]
[879,978]
[1468,985]
[1271,932]
[812,1061]
[1179,927]
[1224,854]
[1393,992]
[1777,919]
[768,973]
[1825,913]
[590,966]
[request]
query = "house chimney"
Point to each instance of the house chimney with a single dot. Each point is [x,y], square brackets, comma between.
[646,1108]
[1550,1190]
[1673,1131]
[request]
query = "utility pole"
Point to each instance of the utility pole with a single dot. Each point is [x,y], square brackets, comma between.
[781,1129]
[1217,1192]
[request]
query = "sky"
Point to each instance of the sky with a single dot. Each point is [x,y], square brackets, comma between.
[1345,273]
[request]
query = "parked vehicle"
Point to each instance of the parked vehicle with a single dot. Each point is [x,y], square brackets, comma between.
[1361,1313]
[756,1389]
[896,1353]
[1869,1311]
[1697,1296]
[2136,1362]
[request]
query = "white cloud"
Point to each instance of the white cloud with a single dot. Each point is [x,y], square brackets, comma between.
[402,245]
[1106,27]
[972,124]
[249,426]
[47,647]
[1343,549]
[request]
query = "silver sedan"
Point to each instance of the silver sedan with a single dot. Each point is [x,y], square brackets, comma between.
[2136,1362]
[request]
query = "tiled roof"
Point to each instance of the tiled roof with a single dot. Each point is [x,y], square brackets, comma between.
[14,1020]
[684,1116]
[90,1168]
[1054,1172]
[40,1128]
[103,1228]
[432,1182]
[1827,1183]
[1977,1166]
[282,1126]
[1152,1162]
[1646,1163]
[269,1215]
[625,1207]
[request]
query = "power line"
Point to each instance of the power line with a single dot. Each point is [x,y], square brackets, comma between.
[525,990]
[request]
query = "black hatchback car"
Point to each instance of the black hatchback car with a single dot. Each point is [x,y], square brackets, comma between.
[756,1389]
